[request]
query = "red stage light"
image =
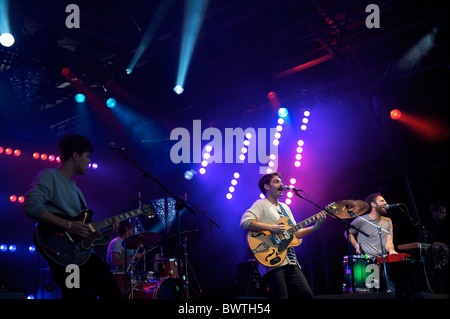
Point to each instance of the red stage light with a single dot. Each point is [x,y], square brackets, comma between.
[13,198]
[395,114]
[43,157]
[51,158]
[8,151]
[17,153]
[1,149]
[36,155]
[21,199]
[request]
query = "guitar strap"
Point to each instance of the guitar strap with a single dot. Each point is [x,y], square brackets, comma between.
[285,214]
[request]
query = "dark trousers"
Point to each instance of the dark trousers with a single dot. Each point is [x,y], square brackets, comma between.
[288,282]
[96,281]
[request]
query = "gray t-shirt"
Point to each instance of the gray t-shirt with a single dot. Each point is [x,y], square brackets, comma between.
[52,191]
[371,244]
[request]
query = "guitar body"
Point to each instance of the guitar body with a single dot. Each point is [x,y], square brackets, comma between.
[58,246]
[271,249]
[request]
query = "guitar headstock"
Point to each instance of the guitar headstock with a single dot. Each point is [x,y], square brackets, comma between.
[332,208]
[148,211]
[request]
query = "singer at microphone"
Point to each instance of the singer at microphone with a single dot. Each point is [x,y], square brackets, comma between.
[290,188]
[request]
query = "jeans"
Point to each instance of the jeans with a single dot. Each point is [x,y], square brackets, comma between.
[288,282]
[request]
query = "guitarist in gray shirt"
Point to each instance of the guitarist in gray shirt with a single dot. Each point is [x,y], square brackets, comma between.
[54,191]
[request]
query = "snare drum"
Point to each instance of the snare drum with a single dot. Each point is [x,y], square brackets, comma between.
[166,288]
[356,276]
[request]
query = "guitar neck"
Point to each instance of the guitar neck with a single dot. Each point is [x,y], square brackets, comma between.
[109,221]
[304,223]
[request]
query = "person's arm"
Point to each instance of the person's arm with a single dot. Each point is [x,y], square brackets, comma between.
[72,227]
[353,242]
[390,245]
[259,226]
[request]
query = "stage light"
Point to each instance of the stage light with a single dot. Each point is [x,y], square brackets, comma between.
[194,11]
[51,158]
[44,157]
[297,163]
[303,127]
[12,248]
[189,174]
[94,166]
[128,70]
[32,249]
[21,199]
[8,151]
[236,175]
[292,180]
[290,194]
[36,155]
[17,153]
[3,247]
[299,149]
[12,198]
[305,120]
[229,196]
[306,113]
[280,121]
[1,149]
[7,39]
[30,297]
[282,112]
[111,102]
[395,114]
[234,182]
[204,163]
[300,142]
[202,170]
[231,189]
[178,89]
[288,201]
[80,98]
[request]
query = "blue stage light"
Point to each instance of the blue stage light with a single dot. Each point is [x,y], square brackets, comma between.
[282,112]
[7,39]
[111,102]
[178,89]
[3,248]
[80,98]
[12,248]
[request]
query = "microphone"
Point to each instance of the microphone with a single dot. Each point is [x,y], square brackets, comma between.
[393,205]
[114,145]
[290,188]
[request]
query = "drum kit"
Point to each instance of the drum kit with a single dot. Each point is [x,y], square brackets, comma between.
[158,278]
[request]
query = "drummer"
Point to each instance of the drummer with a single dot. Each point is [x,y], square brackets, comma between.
[115,255]
[370,245]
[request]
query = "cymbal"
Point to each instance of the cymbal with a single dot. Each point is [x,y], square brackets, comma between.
[357,207]
[146,239]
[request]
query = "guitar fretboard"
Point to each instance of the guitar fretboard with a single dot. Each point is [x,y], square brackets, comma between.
[304,223]
[109,221]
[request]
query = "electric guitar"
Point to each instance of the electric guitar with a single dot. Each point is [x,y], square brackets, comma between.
[57,245]
[271,249]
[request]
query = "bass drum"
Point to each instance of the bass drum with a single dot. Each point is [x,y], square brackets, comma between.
[166,288]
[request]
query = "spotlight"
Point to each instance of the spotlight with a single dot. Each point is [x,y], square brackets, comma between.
[80,98]
[189,174]
[32,249]
[395,114]
[111,102]
[282,112]
[6,39]
[12,248]
[3,248]
[178,89]
[128,70]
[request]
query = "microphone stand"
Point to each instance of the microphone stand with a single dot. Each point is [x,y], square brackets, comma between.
[180,204]
[347,226]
